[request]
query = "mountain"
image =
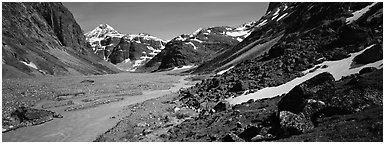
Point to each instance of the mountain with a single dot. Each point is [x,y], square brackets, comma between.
[44,39]
[126,51]
[198,47]
[306,72]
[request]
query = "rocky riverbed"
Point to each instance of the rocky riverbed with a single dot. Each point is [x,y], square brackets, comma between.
[87,108]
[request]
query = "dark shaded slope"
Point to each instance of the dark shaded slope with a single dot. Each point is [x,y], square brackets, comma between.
[44,39]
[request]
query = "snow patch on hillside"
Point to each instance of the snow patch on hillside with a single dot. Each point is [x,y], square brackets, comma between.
[183,67]
[359,13]
[30,64]
[282,16]
[153,51]
[223,71]
[274,17]
[190,43]
[262,23]
[276,12]
[236,33]
[338,69]
[195,39]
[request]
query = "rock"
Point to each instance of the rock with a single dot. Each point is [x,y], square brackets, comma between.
[250,132]
[297,107]
[370,55]
[240,86]
[56,115]
[25,116]
[367,70]
[293,124]
[232,138]
[147,131]
[87,81]
[318,88]
[258,138]
[276,51]
[353,34]
[222,106]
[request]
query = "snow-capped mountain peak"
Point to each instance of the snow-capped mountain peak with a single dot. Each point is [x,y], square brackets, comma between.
[126,51]
[102,31]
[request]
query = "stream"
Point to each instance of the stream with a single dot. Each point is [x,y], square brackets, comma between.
[84,125]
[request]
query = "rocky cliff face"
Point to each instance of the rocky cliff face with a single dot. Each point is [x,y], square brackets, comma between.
[126,51]
[198,47]
[44,39]
[280,65]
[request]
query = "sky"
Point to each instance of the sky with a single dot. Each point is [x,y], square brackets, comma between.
[164,20]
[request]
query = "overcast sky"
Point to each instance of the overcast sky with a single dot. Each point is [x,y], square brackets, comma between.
[164,20]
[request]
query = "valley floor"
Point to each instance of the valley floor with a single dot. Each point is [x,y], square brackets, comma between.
[90,105]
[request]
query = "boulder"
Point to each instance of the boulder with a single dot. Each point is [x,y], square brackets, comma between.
[222,106]
[321,87]
[293,124]
[240,86]
[232,138]
[370,55]
[250,132]
[350,34]
[367,70]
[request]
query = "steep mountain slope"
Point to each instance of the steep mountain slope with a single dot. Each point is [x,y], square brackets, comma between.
[304,64]
[281,22]
[127,52]
[44,39]
[198,47]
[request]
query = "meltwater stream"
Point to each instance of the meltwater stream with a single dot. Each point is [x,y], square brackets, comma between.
[83,125]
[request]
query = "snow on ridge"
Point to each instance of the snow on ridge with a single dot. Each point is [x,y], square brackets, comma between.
[236,33]
[153,51]
[145,36]
[359,13]
[274,17]
[262,23]
[196,32]
[282,16]
[195,39]
[276,12]
[102,31]
[140,62]
[338,69]
[245,26]
[284,8]
[180,38]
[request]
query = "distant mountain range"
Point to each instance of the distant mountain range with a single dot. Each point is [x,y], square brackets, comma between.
[198,47]
[126,51]
[130,51]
